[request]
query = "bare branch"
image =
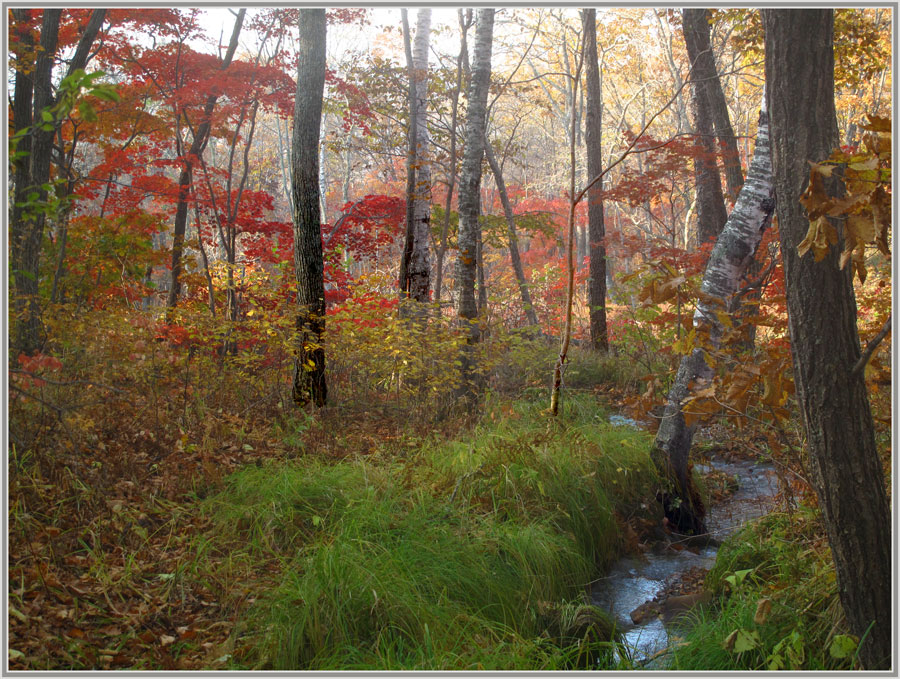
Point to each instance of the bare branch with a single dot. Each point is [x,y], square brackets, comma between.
[871,347]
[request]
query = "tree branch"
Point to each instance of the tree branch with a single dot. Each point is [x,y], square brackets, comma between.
[871,347]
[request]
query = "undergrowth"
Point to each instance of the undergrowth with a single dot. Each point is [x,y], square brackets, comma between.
[470,554]
[779,605]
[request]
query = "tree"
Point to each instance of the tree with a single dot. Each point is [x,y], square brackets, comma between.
[512,237]
[35,127]
[309,367]
[728,261]
[190,159]
[711,214]
[462,65]
[705,77]
[415,269]
[593,133]
[470,179]
[847,473]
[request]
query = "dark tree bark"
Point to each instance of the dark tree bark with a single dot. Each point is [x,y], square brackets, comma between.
[512,237]
[309,265]
[185,179]
[728,262]
[847,471]
[711,214]
[25,341]
[706,76]
[470,182]
[596,227]
[27,230]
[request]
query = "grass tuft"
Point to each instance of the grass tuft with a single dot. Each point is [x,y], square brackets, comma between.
[471,554]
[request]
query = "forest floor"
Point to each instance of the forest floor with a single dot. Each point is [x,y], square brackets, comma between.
[126,559]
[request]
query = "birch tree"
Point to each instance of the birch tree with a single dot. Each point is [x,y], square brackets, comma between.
[415,269]
[462,62]
[470,181]
[309,266]
[729,260]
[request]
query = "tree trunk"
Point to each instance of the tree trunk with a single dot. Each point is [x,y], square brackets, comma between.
[465,21]
[309,265]
[513,238]
[185,179]
[596,227]
[64,191]
[706,76]
[470,184]
[728,262]
[847,471]
[32,174]
[415,282]
[411,132]
[711,214]
[22,119]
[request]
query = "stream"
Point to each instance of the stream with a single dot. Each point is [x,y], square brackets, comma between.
[634,580]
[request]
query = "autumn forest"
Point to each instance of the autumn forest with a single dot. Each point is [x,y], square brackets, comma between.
[449,339]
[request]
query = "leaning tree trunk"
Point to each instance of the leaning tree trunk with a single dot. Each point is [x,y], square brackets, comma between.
[415,281]
[596,227]
[512,237]
[185,179]
[847,471]
[711,214]
[309,265]
[728,261]
[705,74]
[470,185]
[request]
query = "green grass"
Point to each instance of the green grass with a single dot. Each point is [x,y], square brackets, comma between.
[781,559]
[470,554]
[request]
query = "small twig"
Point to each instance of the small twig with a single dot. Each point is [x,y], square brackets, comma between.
[871,347]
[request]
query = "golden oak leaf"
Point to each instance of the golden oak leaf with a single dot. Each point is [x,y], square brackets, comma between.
[862,227]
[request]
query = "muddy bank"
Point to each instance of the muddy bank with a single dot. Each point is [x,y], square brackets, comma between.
[646,593]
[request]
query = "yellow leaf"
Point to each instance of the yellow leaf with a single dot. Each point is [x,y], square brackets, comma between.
[822,169]
[862,227]
[724,318]
[862,166]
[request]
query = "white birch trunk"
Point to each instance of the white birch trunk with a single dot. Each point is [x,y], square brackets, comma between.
[419,271]
[729,260]
[470,190]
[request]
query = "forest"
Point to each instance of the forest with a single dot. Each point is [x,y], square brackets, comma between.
[442,339]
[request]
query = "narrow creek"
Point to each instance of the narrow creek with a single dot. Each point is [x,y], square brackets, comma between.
[635,580]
